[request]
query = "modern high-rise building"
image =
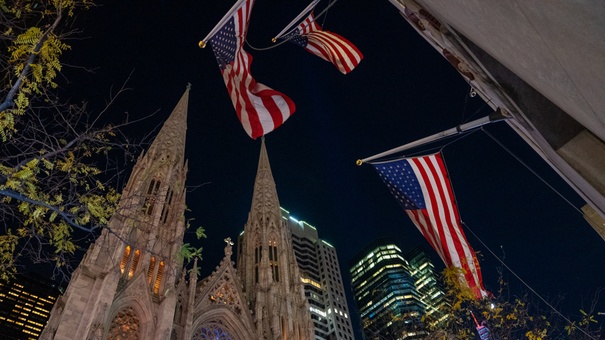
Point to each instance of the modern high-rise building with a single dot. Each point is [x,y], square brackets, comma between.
[428,287]
[322,280]
[25,305]
[390,306]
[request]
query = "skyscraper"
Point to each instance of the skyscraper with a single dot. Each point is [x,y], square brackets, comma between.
[322,278]
[25,305]
[429,288]
[389,305]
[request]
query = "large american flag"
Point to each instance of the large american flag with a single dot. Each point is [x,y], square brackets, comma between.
[259,108]
[325,44]
[422,187]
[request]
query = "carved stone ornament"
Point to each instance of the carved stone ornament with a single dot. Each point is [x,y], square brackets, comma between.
[222,295]
[125,326]
[96,332]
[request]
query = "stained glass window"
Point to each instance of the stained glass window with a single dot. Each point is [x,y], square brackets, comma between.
[212,331]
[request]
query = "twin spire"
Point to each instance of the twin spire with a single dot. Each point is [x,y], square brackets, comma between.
[170,142]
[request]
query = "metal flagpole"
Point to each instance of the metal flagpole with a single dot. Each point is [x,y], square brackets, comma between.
[220,24]
[495,116]
[317,16]
[303,13]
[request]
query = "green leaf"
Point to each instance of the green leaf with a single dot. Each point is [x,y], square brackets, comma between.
[200,232]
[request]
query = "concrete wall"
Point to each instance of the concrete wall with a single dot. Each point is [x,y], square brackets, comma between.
[555,46]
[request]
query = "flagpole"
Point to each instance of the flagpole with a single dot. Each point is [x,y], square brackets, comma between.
[325,9]
[220,24]
[495,116]
[300,15]
[476,322]
[305,11]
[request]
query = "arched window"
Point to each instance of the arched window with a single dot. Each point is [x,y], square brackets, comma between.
[130,260]
[166,208]
[273,260]
[125,326]
[212,331]
[152,194]
[134,263]
[158,278]
[258,256]
[151,270]
[125,258]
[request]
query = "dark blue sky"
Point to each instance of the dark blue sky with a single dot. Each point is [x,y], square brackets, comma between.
[402,90]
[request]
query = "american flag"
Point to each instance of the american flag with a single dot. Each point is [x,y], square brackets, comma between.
[326,45]
[259,108]
[483,332]
[422,187]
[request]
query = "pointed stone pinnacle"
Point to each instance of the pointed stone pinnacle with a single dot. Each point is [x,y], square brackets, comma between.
[171,138]
[265,194]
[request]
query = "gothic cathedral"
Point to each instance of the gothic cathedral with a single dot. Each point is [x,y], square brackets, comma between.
[131,283]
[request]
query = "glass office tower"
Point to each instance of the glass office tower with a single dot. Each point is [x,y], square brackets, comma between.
[384,290]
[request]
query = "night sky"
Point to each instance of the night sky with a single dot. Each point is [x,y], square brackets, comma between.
[402,90]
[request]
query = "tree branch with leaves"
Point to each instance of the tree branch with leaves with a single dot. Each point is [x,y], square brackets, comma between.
[34,35]
[506,317]
[58,164]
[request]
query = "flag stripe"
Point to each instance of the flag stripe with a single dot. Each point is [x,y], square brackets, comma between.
[446,214]
[422,187]
[433,208]
[326,45]
[429,233]
[334,50]
[259,108]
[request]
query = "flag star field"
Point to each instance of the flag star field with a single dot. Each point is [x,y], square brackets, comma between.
[407,189]
[224,44]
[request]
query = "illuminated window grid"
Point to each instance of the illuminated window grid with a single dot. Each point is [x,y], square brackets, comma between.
[25,305]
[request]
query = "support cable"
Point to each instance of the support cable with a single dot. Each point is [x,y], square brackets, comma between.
[523,281]
[531,170]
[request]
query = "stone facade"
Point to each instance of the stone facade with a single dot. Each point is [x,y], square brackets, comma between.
[131,284]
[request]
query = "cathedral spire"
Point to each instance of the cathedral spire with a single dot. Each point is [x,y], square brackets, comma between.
[124,286]
[264,200]
[157,179]
[267,265]
[171,138]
